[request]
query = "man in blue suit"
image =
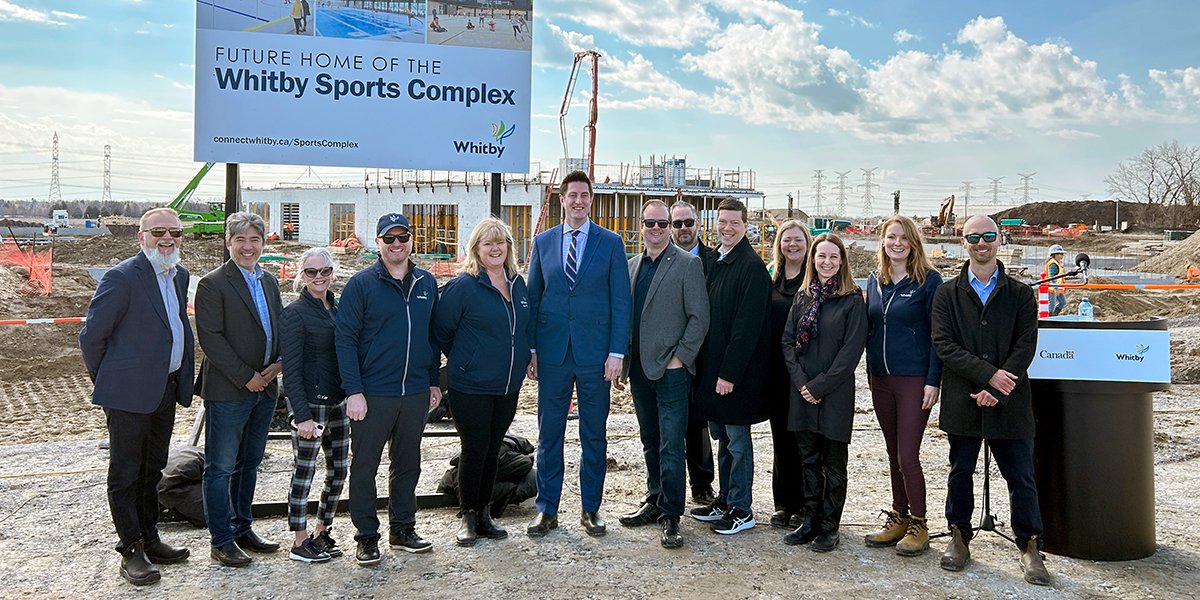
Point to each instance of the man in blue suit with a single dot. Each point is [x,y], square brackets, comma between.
[139,352]
[580,301]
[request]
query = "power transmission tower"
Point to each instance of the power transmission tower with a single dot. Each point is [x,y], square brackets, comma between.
[107,195]
[966,199]
[55,188]
[841,188]
[1025,189]
[868,211]
[996,189]
[819,189]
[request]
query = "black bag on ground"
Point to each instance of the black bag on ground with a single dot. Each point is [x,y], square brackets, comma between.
[516,479]
[180,492]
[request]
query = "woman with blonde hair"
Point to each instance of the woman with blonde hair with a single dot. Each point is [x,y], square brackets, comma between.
[482,311]
[787,271]
[905,375]
[822,343]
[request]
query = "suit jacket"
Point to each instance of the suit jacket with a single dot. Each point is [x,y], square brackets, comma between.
[592,318]
[126,343]
[231,334]
[675,314]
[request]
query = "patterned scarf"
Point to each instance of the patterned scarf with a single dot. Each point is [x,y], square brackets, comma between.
[819,293]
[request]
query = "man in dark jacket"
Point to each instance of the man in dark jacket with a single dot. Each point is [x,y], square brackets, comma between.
[985,331]
[389,363]
[729,393]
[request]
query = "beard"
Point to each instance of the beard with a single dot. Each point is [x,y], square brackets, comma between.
[162,262]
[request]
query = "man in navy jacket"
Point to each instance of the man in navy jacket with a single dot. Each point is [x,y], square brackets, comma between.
[140,354]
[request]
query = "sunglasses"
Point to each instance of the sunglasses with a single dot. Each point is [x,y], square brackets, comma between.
[323,272]
[973,238]
[399,237]
[652,223]
[681,223]
[161,231]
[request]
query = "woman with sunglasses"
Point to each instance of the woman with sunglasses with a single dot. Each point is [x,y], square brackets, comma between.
[313,387]
[482,312]
[822,343]
[904,374]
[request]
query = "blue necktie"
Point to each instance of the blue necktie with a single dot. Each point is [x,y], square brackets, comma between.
[572,260]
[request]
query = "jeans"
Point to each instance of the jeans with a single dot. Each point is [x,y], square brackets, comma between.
[138,447]
[735,463]
[662,414]
[481,420]
[235,437]
[1058,301]
[1014,458]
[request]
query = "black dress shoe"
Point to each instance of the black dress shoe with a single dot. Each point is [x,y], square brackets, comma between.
[250,541]
[593,524]
[780,519]
[162,553]
[230,555]
[542,524]
[704,496]
[826,541]
[135,568]
[466,535]
[644,515]
[487,527]
[671,538]
[805,533]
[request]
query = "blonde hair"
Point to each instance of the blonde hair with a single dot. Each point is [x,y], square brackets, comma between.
[846,283]
[490,229]
[917,264]
[777,259]
[298,282]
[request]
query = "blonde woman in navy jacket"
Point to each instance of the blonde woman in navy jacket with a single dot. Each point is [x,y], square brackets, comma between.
[905,375]
[481,324]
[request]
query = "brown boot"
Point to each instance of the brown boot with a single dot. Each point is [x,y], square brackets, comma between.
[916,540]
[892,531]
[1032,563]
[957,554]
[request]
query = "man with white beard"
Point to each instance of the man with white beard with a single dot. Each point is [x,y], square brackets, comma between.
[139,352]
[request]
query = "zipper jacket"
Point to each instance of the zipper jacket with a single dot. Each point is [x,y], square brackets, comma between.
[485,337]
[898,328]
[310,366]
[384,337]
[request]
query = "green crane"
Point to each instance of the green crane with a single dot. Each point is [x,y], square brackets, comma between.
[210,222]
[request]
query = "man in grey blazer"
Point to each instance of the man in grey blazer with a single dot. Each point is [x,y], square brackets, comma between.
[670,320]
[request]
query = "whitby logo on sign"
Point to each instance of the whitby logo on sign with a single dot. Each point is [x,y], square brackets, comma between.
[499,133]
[1067,355]
[1138,356]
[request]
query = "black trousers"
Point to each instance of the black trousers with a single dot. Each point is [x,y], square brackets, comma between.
[824,467]
[138,446]
[397,422]
[787,476]
[697,450]
[482,420]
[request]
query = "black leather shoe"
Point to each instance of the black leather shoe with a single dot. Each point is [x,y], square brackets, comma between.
[704,496]
[780,519]
[593,524]
[135,568]
[466,535]
[542,524]
[644,515]
[162,553]
[250,541]
[671,538]
[230,555]
[825,541]
[803,534]
[487,527]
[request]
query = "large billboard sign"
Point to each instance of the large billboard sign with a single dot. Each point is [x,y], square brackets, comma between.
[365,83]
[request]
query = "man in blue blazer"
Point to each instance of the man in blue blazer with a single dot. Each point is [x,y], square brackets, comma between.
[138,348]
[580,303]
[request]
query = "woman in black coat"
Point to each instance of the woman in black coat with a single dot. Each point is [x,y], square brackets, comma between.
[313,388]
[823,341]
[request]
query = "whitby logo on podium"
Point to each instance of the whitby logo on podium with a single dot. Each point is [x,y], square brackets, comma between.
[499,133]
[1138,356]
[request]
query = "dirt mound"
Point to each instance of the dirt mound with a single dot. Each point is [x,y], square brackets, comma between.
[1090,212]
[1174,260]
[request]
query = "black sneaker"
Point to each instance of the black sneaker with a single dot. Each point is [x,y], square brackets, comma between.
[308,552]
[368,553]
[326,544]
[710,513]
[734,521]
[408,541]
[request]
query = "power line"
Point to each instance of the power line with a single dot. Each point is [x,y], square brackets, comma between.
[107,195]
[996,189]
[55,188]
[841,188]
[867,211]
[966,199]
[1025,189]
[819,188]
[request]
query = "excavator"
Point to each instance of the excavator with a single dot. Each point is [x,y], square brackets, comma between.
[210,222]
[944,220]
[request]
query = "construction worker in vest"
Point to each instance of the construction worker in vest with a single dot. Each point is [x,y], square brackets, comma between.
[1054,268]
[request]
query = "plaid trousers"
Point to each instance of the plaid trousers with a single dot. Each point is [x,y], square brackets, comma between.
[336,442]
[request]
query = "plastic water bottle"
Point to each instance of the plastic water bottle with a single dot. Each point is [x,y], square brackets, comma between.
[1085,311]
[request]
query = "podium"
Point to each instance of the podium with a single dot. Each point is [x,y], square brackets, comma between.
[1093,384]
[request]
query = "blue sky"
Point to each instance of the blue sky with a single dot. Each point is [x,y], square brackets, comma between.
[930,94]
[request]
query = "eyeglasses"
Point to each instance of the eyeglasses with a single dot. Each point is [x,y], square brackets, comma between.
[681,223]
[973,238]
[399,237]
[323,272]
[161,231]
[652,223]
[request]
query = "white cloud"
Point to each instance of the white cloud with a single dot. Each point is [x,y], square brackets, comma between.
[15,12]
[1181,87]
[67,15]
[653,23]
[556,47]
[904,36]
[853,19]
[1070,134]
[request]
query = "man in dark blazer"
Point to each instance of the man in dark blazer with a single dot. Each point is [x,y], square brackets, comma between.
[985,332]
[685,232]
[138,349]
[579,301]
[237,323]
[670,318]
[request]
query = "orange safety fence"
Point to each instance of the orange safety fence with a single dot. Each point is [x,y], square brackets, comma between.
[445,268]
[39,265]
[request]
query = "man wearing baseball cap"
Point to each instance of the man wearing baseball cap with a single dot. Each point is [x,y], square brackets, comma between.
[389,365]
